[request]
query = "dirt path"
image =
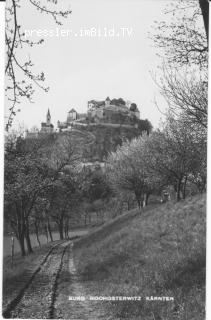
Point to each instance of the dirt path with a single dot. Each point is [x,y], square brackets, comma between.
[36,295]
[44,292]
[72,285]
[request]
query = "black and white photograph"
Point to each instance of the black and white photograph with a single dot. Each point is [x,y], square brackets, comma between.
[105,159]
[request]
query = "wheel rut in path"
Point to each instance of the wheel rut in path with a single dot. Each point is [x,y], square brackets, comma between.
[37,297]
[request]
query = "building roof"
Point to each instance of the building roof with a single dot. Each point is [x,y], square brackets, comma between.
[72,110]
[48,113]
[107,99]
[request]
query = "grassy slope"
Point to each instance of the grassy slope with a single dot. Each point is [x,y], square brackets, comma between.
[160,253]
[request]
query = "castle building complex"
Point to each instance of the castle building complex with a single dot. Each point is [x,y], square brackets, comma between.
[106,112]
[108,109]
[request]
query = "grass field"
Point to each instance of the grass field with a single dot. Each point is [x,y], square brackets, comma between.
[158,253]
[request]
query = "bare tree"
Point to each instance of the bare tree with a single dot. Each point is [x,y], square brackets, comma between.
[186,94]
[21,79]
[183,40]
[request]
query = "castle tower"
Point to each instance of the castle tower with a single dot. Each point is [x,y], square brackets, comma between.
[107,102]
[48,118]
[47,127]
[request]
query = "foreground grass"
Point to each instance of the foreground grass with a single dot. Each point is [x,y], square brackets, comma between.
[160,253]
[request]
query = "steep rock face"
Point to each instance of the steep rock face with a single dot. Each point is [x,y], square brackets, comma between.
[93,142]
[106,140]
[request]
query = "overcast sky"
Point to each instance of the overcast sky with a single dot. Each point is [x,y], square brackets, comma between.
[79,69]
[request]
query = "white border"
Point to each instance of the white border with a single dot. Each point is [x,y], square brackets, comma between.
[2,64]
[208,220]
[2,60]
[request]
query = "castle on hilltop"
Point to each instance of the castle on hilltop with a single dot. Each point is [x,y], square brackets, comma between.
[106,112]
[115,112]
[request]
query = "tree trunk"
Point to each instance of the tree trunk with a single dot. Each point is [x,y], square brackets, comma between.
[28,243]
[138,199]
[66,229]
[27,236]
[22,245]
[20,233]
[147,198]
[60,225]
[178,190]
[139,204]
[61,235]
[38,240]
[49,231]
[37,233]
[184,188]
[46,232]
[204,5]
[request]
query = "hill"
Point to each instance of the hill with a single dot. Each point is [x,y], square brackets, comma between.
[106,139]
[160,253]
[94,140]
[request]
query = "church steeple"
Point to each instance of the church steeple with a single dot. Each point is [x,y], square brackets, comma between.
[48,118]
